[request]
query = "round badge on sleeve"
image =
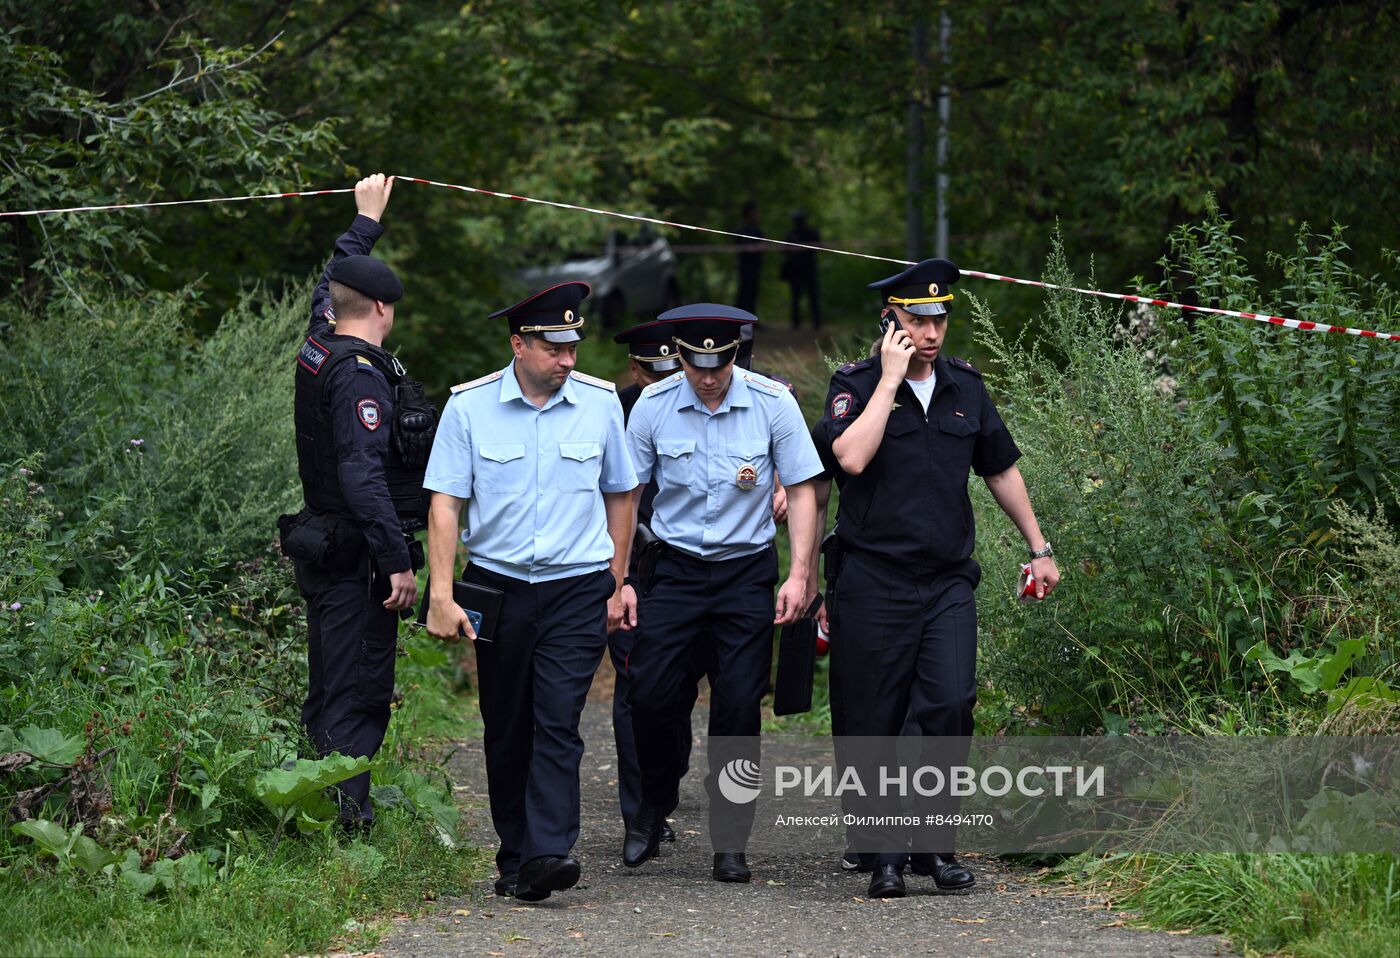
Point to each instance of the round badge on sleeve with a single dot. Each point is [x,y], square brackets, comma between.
[368,411]
[747,477]
[840,405]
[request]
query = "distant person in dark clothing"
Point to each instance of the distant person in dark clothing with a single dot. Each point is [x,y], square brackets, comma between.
[800,268]
[750,259]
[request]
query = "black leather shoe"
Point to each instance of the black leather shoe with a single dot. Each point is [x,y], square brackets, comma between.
[947,872]
[731,867]
[668,834]
[643,835]
[548,873]
[505,885]
[886,882]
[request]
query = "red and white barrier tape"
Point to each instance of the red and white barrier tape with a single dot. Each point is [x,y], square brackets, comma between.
[997,277]
[212,199]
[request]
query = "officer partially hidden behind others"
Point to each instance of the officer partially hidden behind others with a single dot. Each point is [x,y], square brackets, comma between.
[364,431]
[652,355]
[715,437]
[906,427]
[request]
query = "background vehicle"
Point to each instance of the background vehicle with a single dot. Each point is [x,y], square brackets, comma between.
[634,275]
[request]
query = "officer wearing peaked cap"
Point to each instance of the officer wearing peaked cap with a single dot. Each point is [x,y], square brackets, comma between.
[713,438]
[652,355]
[363,431]
[539,454]
[906,427]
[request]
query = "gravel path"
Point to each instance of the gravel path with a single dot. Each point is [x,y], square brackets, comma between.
[797,905]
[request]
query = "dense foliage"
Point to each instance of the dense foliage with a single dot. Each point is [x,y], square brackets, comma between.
[1221,494]
[1115,119]
[152,658]
[1193,478]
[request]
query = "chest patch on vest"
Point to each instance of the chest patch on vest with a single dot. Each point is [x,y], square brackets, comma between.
[368,411]
[840,405]
[313,356]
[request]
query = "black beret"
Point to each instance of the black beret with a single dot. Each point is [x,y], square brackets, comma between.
[923,289]
[367,275]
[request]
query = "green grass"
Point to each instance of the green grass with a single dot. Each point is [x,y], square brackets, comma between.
[306,895]
[1311,906]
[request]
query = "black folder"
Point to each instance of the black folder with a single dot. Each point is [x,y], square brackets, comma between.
[481,603]
[797,664]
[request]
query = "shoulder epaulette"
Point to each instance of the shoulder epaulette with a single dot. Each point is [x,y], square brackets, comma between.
[593,381]
[488,378]
[769,386]
[852,367]
[662,385]
[364,362]
[964,364]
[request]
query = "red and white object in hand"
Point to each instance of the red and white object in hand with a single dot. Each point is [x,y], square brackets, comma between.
[1027,591]
[823,641]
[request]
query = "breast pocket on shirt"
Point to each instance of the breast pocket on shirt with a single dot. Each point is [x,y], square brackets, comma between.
[580,463]
[749,462]
[675,460]
[958,435]
[503,467]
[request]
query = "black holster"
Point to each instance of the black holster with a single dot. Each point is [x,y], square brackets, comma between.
[320,539]
[646,551]
[832,554]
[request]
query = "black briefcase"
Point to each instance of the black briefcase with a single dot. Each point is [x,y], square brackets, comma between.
[797,664]
[481,603]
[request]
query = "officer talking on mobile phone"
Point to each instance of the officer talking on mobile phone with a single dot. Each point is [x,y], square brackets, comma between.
[906,427]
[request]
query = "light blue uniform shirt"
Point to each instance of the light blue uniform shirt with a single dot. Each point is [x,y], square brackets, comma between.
[703,460]
[533,477]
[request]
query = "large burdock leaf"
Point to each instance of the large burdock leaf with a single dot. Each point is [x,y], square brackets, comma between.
[50,745]
[92,857]
[51,837]
[282,788]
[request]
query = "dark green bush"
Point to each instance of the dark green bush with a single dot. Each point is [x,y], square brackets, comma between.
[184,447]
[1185,476]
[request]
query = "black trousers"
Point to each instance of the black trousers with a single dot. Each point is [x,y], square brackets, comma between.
[904,649]
[350,646]
[534,678]
[629,769]
[728,604]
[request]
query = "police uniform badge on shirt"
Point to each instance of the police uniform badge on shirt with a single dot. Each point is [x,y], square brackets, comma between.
[840,405]
[368,411]
[747,477]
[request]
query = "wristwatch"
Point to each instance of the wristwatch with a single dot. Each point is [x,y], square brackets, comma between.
[1044,553]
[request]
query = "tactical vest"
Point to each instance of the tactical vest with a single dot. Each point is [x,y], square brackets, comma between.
[411,431]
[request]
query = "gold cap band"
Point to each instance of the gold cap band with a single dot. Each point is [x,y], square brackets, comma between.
[917,300]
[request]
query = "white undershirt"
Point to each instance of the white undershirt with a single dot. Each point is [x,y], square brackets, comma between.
[923,388]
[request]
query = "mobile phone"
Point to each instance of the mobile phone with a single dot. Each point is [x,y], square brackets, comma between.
[473,616]
[887,317]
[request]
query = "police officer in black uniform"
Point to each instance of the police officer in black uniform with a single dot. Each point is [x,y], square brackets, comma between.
[364,431]
[651,357]
[906,427]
